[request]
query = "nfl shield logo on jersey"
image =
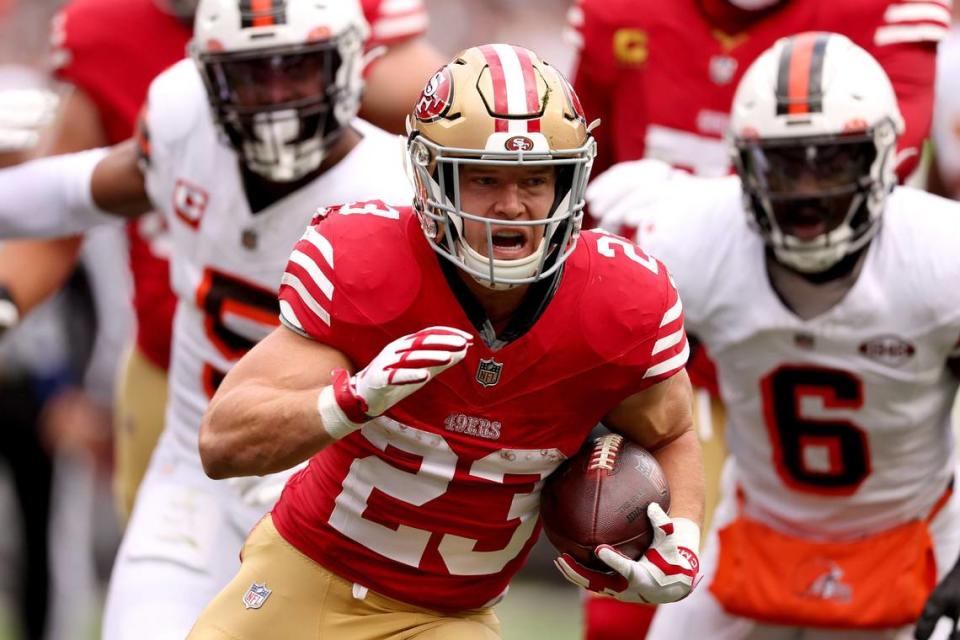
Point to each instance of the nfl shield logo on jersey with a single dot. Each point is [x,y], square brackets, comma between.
[722,69]
[488,372]
[256,595]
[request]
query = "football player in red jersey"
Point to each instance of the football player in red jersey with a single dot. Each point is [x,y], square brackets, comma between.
[435,364]
[662,76]
[109,52]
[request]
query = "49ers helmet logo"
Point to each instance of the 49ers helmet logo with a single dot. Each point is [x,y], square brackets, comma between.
[436,97]
[518,143]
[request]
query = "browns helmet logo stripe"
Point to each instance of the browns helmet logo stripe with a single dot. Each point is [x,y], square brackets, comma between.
[800,74]
[262,13]
[516,97]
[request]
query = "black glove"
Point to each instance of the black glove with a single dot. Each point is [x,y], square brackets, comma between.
[944,601]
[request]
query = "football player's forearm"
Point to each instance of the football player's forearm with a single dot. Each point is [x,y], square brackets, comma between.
[50,197]
[682,463]
[53,261]
[255,429]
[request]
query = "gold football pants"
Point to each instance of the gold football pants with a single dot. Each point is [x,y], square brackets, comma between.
[138,421]
[297,599]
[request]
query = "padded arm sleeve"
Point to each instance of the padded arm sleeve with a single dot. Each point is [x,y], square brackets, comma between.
[51,197]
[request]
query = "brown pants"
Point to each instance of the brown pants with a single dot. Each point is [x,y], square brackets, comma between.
[300,600]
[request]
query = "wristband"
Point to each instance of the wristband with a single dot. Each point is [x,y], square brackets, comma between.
[341,411]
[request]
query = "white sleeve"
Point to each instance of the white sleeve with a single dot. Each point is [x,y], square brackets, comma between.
[51,197]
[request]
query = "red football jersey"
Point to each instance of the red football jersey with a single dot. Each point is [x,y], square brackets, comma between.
[662,77]
[112,50]
[436,502]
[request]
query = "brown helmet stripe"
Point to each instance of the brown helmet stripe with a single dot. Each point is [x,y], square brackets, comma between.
[800,74]
[262,13]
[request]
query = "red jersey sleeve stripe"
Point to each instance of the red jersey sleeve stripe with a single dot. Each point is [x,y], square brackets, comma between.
[289,317]
[392,8]
[672,313]
[304,298]
[917,12]
[668,341]
[670,365]
[903,33]
[322,244]
[316,275]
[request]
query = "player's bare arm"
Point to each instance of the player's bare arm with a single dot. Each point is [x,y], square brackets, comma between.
[660,419]
[117,185]
[264,416]
[395,82]
[291,396]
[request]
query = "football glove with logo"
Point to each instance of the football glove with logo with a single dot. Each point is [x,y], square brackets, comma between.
[623,196]
[943,602]
[400,369]
[666,572]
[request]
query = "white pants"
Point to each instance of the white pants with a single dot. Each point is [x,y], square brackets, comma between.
[701,616]
[181,547]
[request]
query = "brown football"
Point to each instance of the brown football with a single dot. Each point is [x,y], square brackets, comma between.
[600,496]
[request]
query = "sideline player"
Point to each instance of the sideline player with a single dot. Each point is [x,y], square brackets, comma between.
[828,299]
[238,147]
[662,76]
[109,51]
[514,333]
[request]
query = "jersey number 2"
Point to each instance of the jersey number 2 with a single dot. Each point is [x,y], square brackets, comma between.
[820,455]
[407,543]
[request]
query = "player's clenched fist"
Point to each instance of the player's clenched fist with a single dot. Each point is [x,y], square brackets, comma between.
[402,367]
[666,572]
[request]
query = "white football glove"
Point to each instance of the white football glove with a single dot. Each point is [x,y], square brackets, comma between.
[400,369]
[626,194]
[666,572]
[263,491]
[23,112]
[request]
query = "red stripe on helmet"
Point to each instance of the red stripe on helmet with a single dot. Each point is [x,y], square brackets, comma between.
[530,83]
[499,85]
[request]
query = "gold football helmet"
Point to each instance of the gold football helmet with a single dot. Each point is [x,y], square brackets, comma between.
[498,105]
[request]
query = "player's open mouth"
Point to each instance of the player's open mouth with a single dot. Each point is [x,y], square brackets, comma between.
[807,230]
[510,244]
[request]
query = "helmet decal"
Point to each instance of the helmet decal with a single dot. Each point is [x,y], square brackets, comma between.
[436,97]
[262,13]
[515,90]
[800,74]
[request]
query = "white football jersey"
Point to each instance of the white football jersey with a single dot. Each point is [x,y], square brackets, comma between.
[226,262]
[839,425]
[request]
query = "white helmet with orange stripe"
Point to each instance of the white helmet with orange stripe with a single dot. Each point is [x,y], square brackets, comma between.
[284,77]
[499,105]
[814,129]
